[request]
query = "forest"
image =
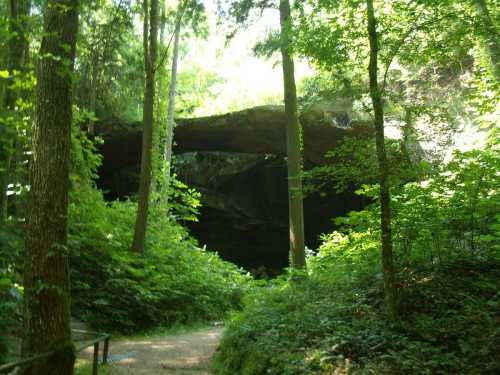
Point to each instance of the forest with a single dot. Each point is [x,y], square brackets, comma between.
[249,187]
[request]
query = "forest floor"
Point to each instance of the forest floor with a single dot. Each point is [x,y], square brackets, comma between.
[182,354]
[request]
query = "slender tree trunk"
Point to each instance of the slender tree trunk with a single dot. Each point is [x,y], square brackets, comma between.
[19,10]
[158,134]
[295,201]
[385,195]
[46,268]
[150,47]
[170,124]
[94,76]
[491,35]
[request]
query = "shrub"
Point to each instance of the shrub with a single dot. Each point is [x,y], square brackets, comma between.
[9,301]
[116,289]
[333,321]
[4,314]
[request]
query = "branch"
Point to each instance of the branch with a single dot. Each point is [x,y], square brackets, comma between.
[415,27]
[165,53]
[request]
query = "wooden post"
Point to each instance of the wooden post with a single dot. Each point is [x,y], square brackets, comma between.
[96,358]
[105,351]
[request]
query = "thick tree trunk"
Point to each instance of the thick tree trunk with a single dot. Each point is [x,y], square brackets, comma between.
[46,269]
[490,36]
[171,104]
[293,131]
[150,48]
[385,195]
[19,10]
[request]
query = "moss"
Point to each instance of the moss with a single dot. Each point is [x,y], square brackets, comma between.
[63,360]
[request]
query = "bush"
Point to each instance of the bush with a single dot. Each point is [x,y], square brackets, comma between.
[116,289]
[333,321]
[326,323]
[4,314]
[9,301]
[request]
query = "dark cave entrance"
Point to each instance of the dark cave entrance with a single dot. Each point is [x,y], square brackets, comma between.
[244,217]
[245,208]
[263,247]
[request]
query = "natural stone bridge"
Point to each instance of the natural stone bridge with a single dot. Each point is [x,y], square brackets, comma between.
[259,130]
[237,162]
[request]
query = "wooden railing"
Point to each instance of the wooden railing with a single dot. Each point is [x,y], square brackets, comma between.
[98,338]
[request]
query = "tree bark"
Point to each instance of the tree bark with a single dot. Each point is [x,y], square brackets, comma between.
[385,195]
[171,104]
[19,10]
[46,268]
[157,155]
[490,35]
[294,154]
[94,76]
[150,48]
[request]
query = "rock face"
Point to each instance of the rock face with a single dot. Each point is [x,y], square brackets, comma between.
[237,161]
[261,130]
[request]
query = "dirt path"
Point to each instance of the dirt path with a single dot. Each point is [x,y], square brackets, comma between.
[184,354]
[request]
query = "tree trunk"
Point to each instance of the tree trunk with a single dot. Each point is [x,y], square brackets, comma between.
[94,76]
[293,131]
[150,47]
[157,156]
[171,104]
[490,35]
[46,268]
[385,195]
[19,10]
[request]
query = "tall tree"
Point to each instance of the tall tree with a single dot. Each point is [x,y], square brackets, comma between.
[240,11]
[151,20]
[170,123]
[18,46]
[294,154]
[385,195]
[157,154]
[46,269]
[490,34]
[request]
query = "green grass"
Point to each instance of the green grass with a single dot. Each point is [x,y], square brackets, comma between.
[84,367]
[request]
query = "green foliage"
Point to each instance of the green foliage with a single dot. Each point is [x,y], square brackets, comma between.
[353,163]
[446,246]
[15,132]
[334,321]
[10,242]
[455,211]
[115,289]
[5,312]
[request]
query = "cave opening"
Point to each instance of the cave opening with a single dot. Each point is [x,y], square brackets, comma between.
[244,217]
[244,214]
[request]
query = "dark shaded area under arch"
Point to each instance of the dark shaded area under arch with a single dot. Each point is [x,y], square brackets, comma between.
[237,162]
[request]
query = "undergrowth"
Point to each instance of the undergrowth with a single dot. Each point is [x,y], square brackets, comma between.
[333,320]
[322,326]
[117,290]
